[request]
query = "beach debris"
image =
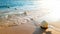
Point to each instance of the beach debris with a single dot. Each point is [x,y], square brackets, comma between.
[44,25]
[15,8]
[27,12]
[8,6]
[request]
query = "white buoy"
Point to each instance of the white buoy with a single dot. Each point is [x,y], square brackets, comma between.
[44,25]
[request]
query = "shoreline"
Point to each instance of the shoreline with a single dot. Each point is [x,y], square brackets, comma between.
[24,23]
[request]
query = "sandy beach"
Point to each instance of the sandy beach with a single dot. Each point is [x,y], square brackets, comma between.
[21,24]
[26,16]
[27,28]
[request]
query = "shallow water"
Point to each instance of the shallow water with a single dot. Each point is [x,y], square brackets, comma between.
[12,3]
[22,4]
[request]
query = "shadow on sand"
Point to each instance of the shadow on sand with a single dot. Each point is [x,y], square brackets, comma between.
[41,31]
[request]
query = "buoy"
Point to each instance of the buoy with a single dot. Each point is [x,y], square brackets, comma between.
[44,25]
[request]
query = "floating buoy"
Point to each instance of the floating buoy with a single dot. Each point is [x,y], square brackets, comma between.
[44,25]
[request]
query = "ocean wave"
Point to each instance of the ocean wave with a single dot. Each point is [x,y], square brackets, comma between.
[8,3]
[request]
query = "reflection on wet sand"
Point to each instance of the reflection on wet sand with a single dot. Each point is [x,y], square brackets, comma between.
[41,31]
[26,24]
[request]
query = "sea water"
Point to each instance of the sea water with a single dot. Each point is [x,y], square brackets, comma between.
[10,5]
[4,4]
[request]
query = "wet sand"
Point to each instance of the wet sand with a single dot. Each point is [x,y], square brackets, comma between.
[22,26]
[21,29]
[27,28]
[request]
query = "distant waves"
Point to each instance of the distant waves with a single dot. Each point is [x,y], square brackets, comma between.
[7,4]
